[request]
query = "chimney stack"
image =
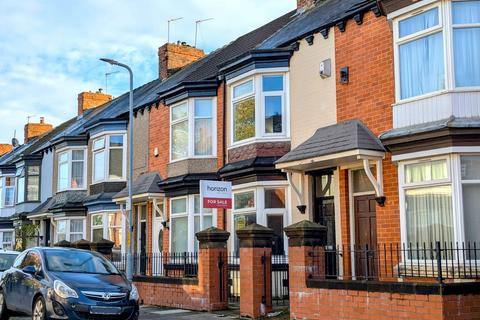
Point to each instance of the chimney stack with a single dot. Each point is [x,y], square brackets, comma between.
[90,100]
[172,57]
[33,130]
[5,148]
[303,5]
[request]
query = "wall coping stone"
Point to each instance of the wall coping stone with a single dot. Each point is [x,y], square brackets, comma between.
[213,238]
[82,244]
[103,246]
[63,244]
[255,236]
[306,234]
[443,289]
[167,280]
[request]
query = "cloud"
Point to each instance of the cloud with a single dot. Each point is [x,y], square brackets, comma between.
[49,49]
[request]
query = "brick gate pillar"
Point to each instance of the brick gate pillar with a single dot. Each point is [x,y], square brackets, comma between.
[306,258]
[212,268]
[255,270]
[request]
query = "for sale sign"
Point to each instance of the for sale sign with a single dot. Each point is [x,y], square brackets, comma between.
[216,194]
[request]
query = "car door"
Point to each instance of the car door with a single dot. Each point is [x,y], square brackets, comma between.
[11,283]
[29,283]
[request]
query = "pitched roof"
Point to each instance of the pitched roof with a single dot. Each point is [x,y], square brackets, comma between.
[345,136]
[324,15]
[145,183]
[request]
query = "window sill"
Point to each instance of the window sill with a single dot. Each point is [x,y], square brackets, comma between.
[260,139]
[435,94]
[193,158]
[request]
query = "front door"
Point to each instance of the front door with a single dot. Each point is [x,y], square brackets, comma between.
[324,214]
[366,236]
[47,233]
[142,237]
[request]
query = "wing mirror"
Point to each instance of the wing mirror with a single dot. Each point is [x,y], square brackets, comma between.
[30,270]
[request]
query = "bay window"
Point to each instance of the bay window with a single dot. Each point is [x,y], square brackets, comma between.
[7,240]
[109,157]
[440,200]
[28,184]
[259,108]
[265,205]
[7,191]
[466,42]
[186,219]
[71,170]
[192,129]
[107,225]
[70,230]
[434,39]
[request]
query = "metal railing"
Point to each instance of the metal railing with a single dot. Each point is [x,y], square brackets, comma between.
[184,264]
[280,279]
[429,262]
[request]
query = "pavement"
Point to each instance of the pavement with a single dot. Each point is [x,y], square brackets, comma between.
[154,313]
[151,313]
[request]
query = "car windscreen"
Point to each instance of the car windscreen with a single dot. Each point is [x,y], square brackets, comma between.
[78,262]
[6,260]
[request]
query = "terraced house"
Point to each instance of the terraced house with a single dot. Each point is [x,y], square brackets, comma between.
[349,131]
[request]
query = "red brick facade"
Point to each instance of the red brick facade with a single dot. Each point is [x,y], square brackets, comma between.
[311,303]
[367,50]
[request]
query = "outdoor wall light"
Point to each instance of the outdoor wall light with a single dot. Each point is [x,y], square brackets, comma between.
[344,75]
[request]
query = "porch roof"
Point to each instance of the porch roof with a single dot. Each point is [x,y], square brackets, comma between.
[146,183]
[333,145]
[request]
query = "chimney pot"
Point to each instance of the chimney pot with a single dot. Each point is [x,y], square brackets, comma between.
[42,120]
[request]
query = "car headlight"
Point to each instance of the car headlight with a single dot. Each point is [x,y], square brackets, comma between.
[64,291]
[134,293]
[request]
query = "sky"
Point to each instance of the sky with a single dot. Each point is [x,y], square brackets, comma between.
[49,49]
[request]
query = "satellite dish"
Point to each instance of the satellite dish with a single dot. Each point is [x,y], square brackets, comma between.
[15,142]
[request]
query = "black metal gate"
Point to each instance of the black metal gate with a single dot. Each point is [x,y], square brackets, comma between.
[280,278]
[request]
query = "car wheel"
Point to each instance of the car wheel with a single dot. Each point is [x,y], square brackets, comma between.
[135,316]
[4,315]
[39,311]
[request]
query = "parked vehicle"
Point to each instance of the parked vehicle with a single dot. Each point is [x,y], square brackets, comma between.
[7,257]
[66,284]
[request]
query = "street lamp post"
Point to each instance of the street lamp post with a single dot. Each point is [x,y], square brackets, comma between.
[130,167]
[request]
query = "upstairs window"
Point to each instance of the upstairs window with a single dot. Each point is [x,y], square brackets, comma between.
[420,51]
[71,170]
[466,42]
[434,39]
[28,181]
[192,129]
[258,108]
[7,191]
[109,158]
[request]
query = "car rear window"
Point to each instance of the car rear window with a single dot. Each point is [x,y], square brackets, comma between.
[78,262]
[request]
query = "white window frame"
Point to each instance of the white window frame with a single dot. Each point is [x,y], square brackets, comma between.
[106,149]
[69,162]
[453,180]
[12,243]
[190,118]
[259,95]
[68,232]
[190,215]
[105,226]
[259,209]
[446,27]
[3,191]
